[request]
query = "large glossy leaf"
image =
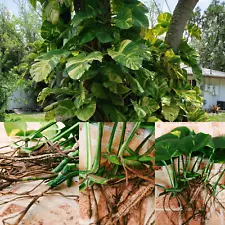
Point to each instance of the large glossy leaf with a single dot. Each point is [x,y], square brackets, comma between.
[166,149]
[149,105]
[41,69]
[171,112]
[81,16]
[129,54]
[193,143]
[126,15]
[112,113]
[122,16]
[52,11]
[79,64]
[116,88]
[141,113]
[43,66]
[65,110]
[219,142]
[85,112]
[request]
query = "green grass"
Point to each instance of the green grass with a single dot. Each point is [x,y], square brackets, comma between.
[217,117]
[30,117]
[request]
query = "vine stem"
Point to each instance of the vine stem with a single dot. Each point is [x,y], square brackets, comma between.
[171,180]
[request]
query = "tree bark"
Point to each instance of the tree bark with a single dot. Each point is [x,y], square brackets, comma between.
[181,15]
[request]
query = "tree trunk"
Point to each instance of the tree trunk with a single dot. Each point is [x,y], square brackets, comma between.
[181,15]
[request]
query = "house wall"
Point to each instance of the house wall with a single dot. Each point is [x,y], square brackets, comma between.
[22,98]
[209,98]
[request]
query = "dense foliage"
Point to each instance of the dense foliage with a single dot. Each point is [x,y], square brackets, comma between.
[11,50]
[17,35]
[212,24]
[104,64]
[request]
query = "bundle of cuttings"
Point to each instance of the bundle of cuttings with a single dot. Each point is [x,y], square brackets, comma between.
[117,173]
[195,166]
[49,155]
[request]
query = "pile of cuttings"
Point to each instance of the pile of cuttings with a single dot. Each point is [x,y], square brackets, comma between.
[36,156]
[44,160]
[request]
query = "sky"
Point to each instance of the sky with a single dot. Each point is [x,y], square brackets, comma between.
[203,4]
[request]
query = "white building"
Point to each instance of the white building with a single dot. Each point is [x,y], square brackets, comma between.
[212,86]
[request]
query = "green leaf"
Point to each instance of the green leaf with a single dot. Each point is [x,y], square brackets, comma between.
[153,119]
[135,85]
[79,64]
[139,110]
[129,54]
[85,112]
[104,36]
[122,16]
[164,19]
[98,91]
[166,149]
[113,113]
[138,17]
[194,31]
[44,94]
[149,105]
[171,112]
[64,110]
[33,3]
[12,128]
[52,12]
[145,159]
[42,68]
[112,158]
[219,142]
[116,88]
[81,16]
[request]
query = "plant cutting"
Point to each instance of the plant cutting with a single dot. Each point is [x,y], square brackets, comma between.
[49,155]
[193,186]
[119,176]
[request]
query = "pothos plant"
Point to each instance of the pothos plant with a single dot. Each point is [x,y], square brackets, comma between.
[104,64]
[182,152]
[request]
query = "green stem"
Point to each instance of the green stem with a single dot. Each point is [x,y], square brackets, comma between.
[142,143]
[195,163]
[207,164]
[178,165]
[122,134]
[97,158]
[126,143]
[41,129]
[174,173]
[187,165]
[109,150]
[171,180]
[216,184]
[88,144]
[63,133]
[149,151]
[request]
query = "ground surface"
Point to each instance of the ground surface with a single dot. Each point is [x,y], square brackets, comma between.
[39,117]
[29,117]
[217,117]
